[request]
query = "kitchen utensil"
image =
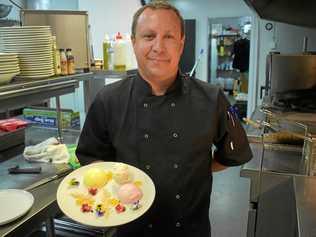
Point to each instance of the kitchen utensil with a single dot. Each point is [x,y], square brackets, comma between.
[5,10]
[27,170]
[41,182]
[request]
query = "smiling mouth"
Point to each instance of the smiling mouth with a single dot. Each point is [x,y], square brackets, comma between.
[159,60]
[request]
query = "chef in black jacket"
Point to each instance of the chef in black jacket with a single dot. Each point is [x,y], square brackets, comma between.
[166,124]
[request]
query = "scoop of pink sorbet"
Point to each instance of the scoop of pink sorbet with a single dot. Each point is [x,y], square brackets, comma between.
[129,193]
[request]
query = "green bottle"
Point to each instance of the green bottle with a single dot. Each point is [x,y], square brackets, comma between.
[106,47]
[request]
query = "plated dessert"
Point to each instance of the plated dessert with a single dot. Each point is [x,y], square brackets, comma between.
[105,194]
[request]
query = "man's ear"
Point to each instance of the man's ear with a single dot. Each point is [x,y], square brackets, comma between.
[133,40]
[182,44]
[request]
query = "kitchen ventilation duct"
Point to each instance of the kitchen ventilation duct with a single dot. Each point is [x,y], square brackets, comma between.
[297,12]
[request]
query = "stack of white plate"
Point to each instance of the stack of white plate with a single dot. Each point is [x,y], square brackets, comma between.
[33,44]
[9,67]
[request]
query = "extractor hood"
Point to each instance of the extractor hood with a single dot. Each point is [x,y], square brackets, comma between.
[297,12]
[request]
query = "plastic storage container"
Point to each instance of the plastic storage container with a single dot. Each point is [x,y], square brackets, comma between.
[119,53]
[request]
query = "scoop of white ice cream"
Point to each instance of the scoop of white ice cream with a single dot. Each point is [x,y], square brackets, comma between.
[121,174]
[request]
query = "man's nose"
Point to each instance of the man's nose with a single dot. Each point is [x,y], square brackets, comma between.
[158,45]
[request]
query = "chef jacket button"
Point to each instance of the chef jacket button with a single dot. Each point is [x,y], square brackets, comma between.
[150,226]
[175,166]
[178,196]
[175,135]
[145,105]
[173,104]
[147,167]
[146,136]
[178,224]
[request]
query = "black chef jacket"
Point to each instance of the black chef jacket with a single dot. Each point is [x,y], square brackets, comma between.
[170,138]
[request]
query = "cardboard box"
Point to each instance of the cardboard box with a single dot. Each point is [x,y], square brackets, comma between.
[47,117]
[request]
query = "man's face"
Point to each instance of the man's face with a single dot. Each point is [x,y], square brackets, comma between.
[158,44]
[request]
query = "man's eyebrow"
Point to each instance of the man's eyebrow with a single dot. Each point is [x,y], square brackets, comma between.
[148,31]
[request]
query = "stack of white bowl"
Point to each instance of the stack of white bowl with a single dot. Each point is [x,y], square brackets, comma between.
[9,67]
[33,44]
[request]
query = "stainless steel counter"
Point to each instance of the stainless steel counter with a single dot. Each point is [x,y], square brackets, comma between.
[276,160]
[305,196]
[282,198]
[44,208]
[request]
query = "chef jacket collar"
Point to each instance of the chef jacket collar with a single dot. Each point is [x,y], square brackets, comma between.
[178,86]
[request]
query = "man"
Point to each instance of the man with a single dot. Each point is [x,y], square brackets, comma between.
[165,123]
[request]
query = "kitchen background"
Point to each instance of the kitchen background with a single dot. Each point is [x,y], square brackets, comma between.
[110,17]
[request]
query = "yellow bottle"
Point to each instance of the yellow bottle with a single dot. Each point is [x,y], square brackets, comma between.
[106,48]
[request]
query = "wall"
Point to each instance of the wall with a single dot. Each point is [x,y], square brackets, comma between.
[108,17]
[284,38]
[15,12]
[201,10]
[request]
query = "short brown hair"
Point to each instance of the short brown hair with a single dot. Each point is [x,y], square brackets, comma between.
[154,5]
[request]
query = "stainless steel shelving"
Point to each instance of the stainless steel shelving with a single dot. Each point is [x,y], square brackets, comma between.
[25,92]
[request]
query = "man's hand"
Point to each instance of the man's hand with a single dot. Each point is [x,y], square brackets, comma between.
[216,166]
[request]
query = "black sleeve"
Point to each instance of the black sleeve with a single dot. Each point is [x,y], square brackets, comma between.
[95,142]
[231,141]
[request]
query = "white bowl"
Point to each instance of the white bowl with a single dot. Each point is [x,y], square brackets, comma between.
[7,77]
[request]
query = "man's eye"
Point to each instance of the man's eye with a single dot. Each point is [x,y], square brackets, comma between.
[148,37]
[169,36]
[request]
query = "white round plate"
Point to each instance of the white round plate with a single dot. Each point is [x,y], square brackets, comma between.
[8,60]
[24,27]
[13,64]
[37,63]
[37,52]
[21,30]
[5,34]
[29,48]
[26,42]
[67,202]
[36,72]
[8,73]
[36,67]
[7,39]
[8,55]
[21,76]
[3,69]
[11,69]
[14,204]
